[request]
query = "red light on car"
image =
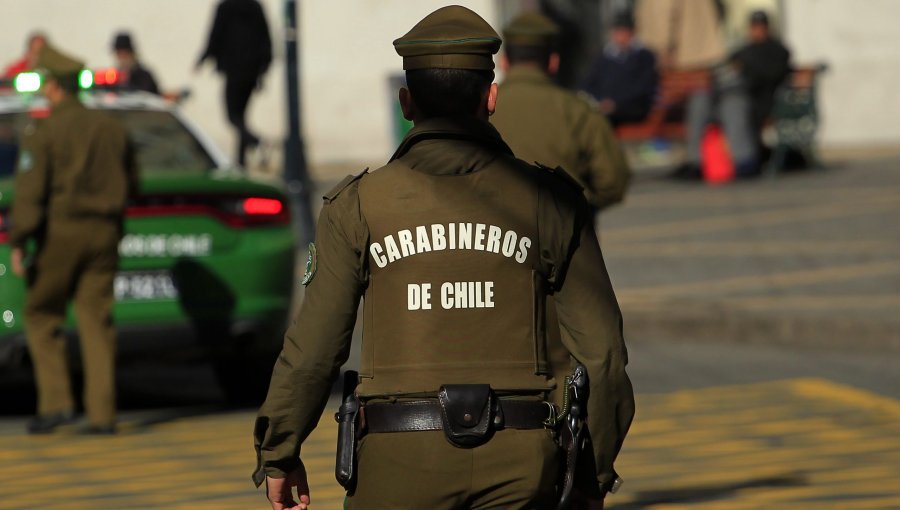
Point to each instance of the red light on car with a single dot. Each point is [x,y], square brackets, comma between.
[4,229]
[267,206]
[106,77]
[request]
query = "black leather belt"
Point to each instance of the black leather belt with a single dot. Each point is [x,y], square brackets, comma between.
[418,415]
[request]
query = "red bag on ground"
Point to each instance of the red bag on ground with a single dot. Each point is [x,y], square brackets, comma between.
[717,166]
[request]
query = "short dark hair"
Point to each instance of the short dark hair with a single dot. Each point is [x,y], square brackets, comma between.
[519,54]
[448,92]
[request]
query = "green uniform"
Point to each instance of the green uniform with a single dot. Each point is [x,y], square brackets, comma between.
[544,123]
[73,178]
[454,245]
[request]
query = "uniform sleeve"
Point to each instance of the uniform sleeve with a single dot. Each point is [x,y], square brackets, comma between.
[31,188]
[608,171]
[591,328]
[318,341]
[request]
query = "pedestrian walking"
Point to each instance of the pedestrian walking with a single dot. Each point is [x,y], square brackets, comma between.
[454,244]
[240,44]
[74,175]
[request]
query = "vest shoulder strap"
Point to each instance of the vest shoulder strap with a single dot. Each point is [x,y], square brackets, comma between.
[563,175]
[341,186]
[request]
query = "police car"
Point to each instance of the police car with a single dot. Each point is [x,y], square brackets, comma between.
[207,259]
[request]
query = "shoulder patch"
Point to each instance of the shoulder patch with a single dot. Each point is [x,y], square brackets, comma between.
[562,175]
[341,186]
[312,262]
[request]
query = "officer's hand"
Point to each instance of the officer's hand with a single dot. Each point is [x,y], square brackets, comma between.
[280,490]
[16,259]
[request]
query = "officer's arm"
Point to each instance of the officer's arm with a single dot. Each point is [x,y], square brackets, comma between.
[317,342]
[31,188]
[591,327]
[609,173]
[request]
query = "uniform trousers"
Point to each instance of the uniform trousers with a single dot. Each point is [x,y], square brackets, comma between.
[77,260]
[516,469]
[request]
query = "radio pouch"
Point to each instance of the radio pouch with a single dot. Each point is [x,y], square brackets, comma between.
[467,411]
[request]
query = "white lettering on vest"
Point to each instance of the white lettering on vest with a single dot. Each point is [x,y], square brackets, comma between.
[464,241]
[493,239]
[422,243]
[509,244]
[462,295]
[524,244]
[406,243]
[378,255]
[418,296]
[393,253]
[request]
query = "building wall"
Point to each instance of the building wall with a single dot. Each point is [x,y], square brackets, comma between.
[859,41]
[346,58]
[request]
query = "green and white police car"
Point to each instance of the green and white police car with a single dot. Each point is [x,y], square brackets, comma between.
[207,259]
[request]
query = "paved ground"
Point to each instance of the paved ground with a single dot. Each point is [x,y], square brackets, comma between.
[763,331]
[811,258]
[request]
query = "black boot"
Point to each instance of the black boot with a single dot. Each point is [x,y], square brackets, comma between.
[49,422]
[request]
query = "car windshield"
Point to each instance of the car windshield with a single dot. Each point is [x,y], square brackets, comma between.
[162,141]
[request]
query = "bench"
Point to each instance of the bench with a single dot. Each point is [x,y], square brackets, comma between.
[794,117]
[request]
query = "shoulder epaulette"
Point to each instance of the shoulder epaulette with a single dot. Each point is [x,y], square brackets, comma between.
[341,186]
[562,175]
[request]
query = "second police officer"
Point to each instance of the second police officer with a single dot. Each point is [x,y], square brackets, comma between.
[454,246]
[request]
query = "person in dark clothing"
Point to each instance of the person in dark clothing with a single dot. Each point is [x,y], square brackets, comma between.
[740,102]
[240,44]
[763,64]
[132,75]
[623,79]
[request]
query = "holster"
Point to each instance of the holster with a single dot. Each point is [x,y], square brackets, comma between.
[571,434]
[467,413]
[347,418]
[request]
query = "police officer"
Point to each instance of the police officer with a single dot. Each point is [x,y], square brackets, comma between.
[454,244]
[546,123]
[74,175]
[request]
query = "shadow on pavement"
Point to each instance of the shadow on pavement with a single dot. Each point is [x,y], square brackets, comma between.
[700,494]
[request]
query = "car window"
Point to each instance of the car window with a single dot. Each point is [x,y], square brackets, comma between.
[161,140]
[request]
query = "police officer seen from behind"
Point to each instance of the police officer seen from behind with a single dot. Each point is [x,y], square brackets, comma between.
[545,123]
[74,176]
[454,244]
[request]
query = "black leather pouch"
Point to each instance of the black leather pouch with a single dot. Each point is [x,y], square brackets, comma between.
[467,411]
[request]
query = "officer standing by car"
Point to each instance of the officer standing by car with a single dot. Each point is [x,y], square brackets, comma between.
[74,175]
[454,244]
[546,123]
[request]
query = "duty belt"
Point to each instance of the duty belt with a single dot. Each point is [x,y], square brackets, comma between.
[419,415]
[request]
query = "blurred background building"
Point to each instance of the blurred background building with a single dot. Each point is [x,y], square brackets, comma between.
[347,59]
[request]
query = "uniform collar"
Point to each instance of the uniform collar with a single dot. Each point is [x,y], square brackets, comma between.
[469,129]
[523,73]
[68,103]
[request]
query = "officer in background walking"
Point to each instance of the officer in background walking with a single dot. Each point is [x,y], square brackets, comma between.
[454,244]
[74,175]
[545,123]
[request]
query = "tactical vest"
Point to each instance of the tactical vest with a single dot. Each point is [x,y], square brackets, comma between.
[456,288]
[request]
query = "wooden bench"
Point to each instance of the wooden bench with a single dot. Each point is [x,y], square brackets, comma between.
[666,118]
[794,113]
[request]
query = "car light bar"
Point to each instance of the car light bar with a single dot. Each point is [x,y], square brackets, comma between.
[105,77]
[85,79]
[31,81]
[27,82]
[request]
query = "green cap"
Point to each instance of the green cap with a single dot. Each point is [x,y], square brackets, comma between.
[58,64]
[531,28]
[451,37]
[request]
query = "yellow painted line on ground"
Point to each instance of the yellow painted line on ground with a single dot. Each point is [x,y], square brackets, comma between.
[756,219]
[805,429]
[783,279]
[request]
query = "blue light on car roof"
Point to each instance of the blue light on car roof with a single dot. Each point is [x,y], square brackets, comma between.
[85,79]
[27,82]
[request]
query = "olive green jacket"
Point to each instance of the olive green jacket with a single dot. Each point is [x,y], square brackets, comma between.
[545,123]
[77,162]
[318,341]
